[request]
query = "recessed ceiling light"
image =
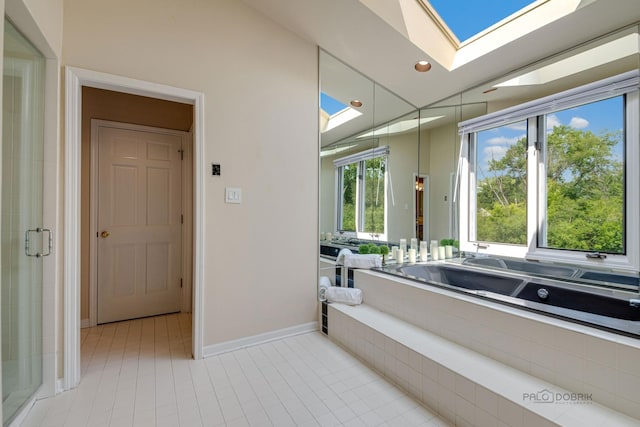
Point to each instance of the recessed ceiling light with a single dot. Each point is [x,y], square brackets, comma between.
[422,66]
[356,103]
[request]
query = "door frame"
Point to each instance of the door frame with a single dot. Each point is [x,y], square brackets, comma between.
[185,188]
[75,79]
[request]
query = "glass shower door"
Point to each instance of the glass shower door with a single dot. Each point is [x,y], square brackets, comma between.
[24,242]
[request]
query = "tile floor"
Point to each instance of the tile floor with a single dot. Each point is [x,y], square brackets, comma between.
[140,373]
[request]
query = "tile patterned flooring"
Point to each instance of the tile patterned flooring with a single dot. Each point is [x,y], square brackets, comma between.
[140,373]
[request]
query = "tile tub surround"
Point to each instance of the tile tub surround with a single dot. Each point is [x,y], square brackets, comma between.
[569,355]
[466,388]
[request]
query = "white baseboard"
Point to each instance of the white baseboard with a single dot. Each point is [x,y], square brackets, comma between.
[224,347]
[85,323]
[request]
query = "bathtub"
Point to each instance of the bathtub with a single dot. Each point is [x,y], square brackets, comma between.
[604,307]
[595,277]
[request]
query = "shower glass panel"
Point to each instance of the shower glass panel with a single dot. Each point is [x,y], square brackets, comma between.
[22,236]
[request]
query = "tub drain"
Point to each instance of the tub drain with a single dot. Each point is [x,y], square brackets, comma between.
[543,294]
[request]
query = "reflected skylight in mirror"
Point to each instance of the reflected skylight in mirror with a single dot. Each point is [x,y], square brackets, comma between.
[330,105]
[334,113]
[399,127]
[467,18]
[335,150]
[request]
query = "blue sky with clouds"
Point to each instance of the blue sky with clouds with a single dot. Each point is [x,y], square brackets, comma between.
[598,117]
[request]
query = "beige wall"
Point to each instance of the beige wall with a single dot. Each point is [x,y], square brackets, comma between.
[260,117]
[443,160]
[117,107]
[403,163]
[327,194]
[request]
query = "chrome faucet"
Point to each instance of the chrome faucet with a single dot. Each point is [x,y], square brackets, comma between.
[480,246]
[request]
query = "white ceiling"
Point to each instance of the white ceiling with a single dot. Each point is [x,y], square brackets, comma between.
[383,52]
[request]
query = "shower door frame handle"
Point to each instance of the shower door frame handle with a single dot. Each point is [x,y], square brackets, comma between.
[27,242]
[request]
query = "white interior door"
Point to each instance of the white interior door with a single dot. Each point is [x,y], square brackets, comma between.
[139,238]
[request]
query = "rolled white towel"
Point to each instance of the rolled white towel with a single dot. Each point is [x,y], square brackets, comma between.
[362,261]
[323,284]
[350,296]
[325,281]
[342,254]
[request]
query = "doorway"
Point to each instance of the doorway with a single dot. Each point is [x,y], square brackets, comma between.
[75,80]
[131,113]
[421,204]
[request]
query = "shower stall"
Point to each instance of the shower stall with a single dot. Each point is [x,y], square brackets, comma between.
[24,242]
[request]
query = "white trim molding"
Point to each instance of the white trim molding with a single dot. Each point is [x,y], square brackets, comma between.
[227,346]
[75,79]
[73,116]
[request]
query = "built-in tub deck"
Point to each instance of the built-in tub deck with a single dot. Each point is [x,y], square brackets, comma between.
[604,307]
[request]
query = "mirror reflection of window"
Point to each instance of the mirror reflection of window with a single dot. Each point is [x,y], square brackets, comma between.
[374,195]
[348,208]
[362,192]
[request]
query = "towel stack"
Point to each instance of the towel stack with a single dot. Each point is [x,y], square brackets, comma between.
[362,261]
[350,296]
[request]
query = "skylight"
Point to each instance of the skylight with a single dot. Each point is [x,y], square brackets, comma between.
[334,113]
[468,18]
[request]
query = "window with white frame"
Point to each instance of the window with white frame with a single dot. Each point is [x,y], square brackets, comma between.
[556,178]
[361,193]
[501,184]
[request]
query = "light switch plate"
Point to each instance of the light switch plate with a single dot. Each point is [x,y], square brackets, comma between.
[233,195]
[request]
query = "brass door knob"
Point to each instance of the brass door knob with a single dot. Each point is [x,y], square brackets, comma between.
[104,234]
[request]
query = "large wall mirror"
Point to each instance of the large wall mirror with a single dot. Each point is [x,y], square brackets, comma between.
[423,145]
[369,157]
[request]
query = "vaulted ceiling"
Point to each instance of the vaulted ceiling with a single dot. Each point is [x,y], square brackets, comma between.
[383,39]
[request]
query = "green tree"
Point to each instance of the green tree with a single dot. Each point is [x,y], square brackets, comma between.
[372,183]
[502,197]
[374,174]
[349,183]
[585,193]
